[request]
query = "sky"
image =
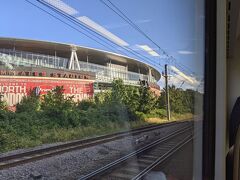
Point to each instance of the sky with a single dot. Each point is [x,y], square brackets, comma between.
[175,25]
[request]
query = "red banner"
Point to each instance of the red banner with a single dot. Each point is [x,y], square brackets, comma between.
[14,88]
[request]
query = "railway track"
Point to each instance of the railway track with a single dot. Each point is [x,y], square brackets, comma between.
[140,162]
[38,154]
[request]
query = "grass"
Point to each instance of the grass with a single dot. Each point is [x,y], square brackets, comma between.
[68,134]
[62,134]
[85,132]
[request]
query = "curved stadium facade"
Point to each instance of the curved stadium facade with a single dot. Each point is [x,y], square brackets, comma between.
[27,65]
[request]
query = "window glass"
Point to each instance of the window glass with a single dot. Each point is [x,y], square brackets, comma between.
[101,89]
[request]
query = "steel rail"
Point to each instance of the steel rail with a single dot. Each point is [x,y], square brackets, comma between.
[106,168]
[163,158]
[33,155]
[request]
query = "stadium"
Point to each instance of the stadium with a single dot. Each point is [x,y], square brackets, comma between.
[27,65]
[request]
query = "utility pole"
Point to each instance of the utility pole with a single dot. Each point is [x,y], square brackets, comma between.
[167,93]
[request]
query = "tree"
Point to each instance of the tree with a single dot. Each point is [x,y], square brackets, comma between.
[86,104]
[125,94]
[181,101]
[62,111]
[118,93]
[3,104]
[102,97]
[30,103]
[147,101]
[132,99]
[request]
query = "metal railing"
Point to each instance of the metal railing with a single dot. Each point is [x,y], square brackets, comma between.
[23,58]
[13,58]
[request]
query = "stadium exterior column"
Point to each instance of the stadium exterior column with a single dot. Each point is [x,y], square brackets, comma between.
[87,61]
[74,59]
[149,74]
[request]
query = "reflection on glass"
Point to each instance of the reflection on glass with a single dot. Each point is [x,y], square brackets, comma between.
[101,91]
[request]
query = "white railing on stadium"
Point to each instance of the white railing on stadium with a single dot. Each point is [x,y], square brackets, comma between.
[103,73]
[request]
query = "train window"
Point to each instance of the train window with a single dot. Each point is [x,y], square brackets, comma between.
[107,89]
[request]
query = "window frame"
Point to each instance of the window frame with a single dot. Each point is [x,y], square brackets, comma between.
[209,105]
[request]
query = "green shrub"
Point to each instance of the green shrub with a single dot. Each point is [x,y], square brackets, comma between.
[86,104]
[57,118]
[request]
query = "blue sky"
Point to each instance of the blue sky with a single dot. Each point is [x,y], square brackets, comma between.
[175,25]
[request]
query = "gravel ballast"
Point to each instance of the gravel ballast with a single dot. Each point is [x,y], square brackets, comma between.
[72,165]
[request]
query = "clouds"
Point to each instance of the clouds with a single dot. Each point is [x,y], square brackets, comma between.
[185,52]
[103,31]
[62,6]
[182,80]
[149,50]
[190,79]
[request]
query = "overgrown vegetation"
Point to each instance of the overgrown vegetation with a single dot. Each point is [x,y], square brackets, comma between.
[53,117]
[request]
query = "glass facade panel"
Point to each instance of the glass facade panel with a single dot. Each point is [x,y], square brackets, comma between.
[103,73]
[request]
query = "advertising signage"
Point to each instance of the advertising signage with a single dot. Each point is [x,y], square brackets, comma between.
[15,88]
[47,72]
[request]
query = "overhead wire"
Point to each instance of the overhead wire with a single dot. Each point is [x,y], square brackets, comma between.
[129,21]
[171,59]
[85,33]
[182,79]
[71,26]
[81,31]
[121,14]
[72,18]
